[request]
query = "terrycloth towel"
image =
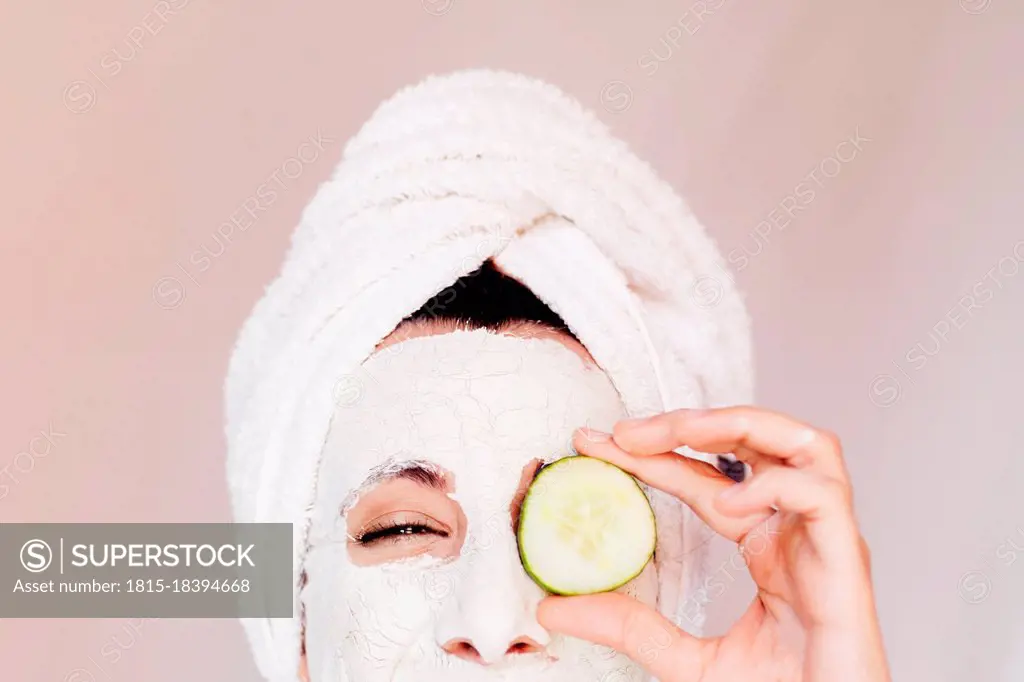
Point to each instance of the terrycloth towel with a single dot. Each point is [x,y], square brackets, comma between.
[446,174]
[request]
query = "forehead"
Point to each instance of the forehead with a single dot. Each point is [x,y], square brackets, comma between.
[476,403]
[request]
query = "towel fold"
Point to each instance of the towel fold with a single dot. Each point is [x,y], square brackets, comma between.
[446,174]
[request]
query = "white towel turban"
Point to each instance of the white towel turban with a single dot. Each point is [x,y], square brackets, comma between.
[446,174]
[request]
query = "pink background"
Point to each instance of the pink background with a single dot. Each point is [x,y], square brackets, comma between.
[123,158]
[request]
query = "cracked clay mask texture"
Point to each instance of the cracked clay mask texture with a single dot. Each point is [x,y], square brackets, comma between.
[480,406]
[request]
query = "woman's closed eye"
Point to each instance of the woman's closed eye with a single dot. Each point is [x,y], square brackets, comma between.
[399,527]
[402,518]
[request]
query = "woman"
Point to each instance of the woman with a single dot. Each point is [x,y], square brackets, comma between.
[400,436]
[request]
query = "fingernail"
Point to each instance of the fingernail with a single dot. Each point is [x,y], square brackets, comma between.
[596,436]
[734,470]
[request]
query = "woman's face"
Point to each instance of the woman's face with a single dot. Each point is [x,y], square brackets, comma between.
[413,572]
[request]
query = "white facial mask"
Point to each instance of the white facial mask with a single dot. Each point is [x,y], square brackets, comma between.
[480,406]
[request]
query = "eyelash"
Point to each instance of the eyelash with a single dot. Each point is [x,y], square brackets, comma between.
[396,532]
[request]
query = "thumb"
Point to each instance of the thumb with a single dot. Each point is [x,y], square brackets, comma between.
[630,627]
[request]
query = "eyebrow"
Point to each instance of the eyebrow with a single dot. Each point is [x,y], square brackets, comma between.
[421,472]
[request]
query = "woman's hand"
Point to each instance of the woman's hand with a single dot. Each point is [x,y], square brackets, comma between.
[814,617]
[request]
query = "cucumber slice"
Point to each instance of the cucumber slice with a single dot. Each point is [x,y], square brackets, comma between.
[585,526]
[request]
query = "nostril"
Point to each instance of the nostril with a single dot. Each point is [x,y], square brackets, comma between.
[463,649]
[524,645]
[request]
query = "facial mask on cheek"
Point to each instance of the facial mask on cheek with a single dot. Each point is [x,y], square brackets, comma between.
[481,407]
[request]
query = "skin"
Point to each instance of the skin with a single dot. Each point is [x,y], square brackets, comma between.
[814,616]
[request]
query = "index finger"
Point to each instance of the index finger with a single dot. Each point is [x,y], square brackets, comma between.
[744,430]
[694,482]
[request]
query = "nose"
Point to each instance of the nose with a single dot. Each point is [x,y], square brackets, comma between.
[491,614]
[464,649]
